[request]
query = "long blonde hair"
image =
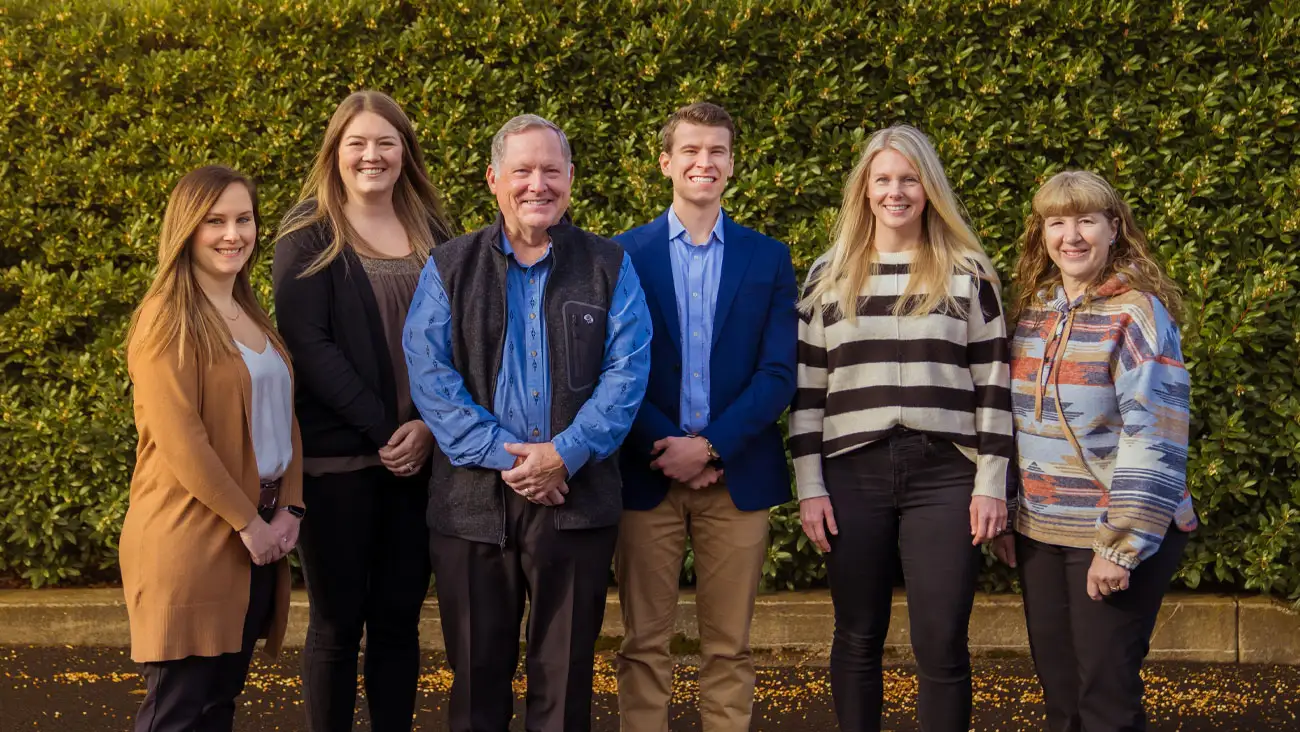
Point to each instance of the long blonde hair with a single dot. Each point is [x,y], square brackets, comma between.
[415,199]
[182,313]
[948,245]
[1076,192]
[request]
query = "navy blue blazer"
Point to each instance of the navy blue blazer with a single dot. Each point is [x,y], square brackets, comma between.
[752,367]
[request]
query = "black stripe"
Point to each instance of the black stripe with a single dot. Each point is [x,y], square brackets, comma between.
[858,439]
[992,396]
[848,442]
[989,303]
[805,398]
[991,443]
[990,351]
[809,443]
[810,355]
[913,397]
[919,350]
[891,269]
[882,306]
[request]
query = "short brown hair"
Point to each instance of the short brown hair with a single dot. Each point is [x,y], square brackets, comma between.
[699,113]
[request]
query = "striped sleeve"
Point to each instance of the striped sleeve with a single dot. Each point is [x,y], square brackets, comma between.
[990,369]
[809,406]
[1149,482]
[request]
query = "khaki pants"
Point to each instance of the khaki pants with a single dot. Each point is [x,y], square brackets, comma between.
[730,546]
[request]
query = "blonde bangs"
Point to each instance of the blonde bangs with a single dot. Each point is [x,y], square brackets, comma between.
[1073,194]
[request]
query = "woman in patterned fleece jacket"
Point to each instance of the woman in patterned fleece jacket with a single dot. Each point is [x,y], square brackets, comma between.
[1100,397]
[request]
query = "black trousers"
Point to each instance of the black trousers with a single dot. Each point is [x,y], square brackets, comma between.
[904,497]
[364,552]
[1088,653]
[481,591]
[197,693]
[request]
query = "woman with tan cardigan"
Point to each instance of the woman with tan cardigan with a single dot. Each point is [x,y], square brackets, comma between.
[217,491]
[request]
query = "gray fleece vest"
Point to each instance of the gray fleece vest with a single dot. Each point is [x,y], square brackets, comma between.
[467,502]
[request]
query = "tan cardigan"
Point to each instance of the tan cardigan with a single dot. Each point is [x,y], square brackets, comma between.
[185,571]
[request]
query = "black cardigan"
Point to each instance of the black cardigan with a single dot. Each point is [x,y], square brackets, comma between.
[345,394]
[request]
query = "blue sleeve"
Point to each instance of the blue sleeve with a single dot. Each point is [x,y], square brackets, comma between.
[773,385]
[467,433]
[604,421]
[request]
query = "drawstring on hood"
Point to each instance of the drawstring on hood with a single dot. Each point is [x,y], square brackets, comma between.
[1054,353]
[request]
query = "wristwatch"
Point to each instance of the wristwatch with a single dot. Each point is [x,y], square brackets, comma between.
[714,457]
[296,511]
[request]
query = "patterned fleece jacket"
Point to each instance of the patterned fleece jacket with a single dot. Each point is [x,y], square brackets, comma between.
[1100,397]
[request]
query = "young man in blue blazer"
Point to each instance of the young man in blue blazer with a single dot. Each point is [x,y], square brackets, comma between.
[705,456]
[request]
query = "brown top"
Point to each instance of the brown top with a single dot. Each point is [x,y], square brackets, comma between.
[394,281]
[185,571]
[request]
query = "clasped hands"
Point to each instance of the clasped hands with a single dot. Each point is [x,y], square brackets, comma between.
[408,449]
[685,460]
[270,542]
[539,473]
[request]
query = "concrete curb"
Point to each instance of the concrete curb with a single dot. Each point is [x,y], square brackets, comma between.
[1192,627]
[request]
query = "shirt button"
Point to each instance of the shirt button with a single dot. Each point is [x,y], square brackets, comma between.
[532,280]
[697,414]
[533,354]
[537,432]
[695,294]
[696,334]
[697,374]
[532,316]
[535,393]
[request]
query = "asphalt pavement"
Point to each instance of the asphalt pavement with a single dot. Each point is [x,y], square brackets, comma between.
[86,689]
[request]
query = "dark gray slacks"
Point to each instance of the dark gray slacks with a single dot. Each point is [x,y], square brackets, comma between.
[904,499]
[564,575]
[1088,653]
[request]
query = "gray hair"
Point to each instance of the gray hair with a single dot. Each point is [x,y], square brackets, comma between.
[523,123]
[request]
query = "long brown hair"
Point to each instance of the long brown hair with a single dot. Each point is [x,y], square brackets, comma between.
[948,243]
[415,199]
[182,313]
[1077,192]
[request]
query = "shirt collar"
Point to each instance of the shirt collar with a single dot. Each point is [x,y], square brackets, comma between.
[676,228]
[509,251]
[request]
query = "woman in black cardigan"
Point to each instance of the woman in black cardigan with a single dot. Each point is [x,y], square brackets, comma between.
[347,261]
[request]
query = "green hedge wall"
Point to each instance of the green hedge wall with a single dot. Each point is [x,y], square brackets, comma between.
[1189,107]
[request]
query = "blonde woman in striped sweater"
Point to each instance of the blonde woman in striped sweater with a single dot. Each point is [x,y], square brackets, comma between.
[901,429]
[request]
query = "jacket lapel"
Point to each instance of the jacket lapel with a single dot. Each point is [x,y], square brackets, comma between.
[736,254]
[658,278]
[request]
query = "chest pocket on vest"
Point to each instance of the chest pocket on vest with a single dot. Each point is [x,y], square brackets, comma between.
[584,339]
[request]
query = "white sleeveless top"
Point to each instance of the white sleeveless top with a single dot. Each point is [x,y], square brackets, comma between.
[272,416]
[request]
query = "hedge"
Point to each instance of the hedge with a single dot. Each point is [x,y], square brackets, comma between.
[1190,108]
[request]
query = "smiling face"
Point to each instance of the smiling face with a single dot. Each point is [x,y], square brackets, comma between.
[370,156]
[224,239]
[533,181]
[699,164]
[1079,246]
[896,194]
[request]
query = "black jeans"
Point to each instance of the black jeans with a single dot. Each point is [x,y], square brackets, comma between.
[364,552]
[904,497]
[197,693]
[481,591]
[1088,653]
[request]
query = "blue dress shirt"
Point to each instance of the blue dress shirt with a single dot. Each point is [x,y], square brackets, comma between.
[470,435]
[697,270]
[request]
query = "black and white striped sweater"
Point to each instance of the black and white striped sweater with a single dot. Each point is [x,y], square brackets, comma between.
[945,374]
